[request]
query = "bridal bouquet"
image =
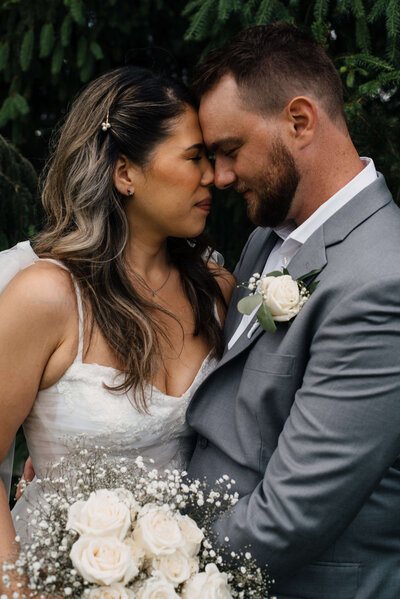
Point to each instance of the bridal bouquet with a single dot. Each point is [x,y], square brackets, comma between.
[111,530]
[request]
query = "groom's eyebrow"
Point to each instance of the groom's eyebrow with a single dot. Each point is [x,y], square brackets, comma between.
[224,142]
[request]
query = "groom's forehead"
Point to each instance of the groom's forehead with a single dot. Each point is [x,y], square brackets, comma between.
[219,110]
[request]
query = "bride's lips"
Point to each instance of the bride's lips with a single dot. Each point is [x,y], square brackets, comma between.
[204,205]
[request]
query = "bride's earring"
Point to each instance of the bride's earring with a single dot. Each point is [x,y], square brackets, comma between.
[130,193]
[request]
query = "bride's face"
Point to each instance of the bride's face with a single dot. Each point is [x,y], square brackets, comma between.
[171,196]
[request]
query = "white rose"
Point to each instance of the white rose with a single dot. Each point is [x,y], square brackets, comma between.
[210,584]
[137,553]
[157,533]
[282,297]
[102,514]
[191,534]
[103,560]
[127,497]
[157,587]
[265,283]
[176,567]
[114,591]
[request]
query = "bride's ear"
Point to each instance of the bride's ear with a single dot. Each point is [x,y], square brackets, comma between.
[123,176]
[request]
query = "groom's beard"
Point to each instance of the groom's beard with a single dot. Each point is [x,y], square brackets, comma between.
[273,190]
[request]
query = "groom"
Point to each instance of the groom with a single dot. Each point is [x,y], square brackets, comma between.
[305,419]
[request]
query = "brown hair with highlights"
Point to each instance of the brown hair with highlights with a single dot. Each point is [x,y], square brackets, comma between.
[87,228]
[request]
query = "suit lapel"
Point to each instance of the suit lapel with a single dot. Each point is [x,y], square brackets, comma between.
[312,255]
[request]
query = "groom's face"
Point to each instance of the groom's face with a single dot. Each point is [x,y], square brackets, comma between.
[250,154]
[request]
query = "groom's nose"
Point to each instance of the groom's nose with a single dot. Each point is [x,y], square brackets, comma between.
[224,175]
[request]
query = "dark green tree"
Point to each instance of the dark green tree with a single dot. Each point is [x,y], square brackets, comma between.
[18,196]
[49,49]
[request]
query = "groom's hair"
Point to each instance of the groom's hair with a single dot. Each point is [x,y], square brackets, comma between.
[272,64]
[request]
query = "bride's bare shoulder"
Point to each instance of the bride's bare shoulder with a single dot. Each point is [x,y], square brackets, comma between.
[44,286]
[224,278]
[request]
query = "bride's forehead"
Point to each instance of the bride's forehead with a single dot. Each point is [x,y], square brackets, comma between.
[185,131]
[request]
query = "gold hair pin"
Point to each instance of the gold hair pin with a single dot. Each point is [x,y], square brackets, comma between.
[105,124]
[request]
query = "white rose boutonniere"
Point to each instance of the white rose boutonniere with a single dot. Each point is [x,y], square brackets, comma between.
[279,297]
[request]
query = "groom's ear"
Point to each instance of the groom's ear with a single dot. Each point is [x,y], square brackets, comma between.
[303,116]
[123,175]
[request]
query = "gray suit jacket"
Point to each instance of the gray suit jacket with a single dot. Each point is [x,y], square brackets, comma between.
[307,419]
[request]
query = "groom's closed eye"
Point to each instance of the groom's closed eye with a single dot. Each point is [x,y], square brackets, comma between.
[230,152]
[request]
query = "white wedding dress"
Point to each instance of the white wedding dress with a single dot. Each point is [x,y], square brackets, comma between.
[78,404]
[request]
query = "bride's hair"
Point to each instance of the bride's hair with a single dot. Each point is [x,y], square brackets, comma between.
[87,228]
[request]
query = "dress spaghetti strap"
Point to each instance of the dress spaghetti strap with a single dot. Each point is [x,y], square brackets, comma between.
[79,356]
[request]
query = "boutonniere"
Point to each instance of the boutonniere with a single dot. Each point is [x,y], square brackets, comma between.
[279,296]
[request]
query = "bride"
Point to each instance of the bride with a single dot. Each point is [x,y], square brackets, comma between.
[117,320]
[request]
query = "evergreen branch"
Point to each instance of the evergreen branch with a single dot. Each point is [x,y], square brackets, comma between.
[393,18]
[56,62]
[319,29]
[367,60]
[77,12]
[321,8]
[197,27]
[191,6]
[26,50]
[247,11]
[4,54]
[357,8]
[378,9]
[66,29]
[264,12]
[363,38]
[46,41]
[224,10]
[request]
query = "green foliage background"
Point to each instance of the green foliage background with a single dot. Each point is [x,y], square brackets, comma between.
[50,48]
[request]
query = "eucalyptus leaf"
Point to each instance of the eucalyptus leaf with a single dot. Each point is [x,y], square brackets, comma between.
[312,273]
[247,304]
[274,273]
[265,319]
[313,286]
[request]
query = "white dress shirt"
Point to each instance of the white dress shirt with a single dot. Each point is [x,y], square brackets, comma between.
[291,238]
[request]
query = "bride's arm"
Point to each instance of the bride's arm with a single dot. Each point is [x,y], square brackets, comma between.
[32,326]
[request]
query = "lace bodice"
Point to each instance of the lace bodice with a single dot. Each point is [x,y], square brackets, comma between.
[78,404]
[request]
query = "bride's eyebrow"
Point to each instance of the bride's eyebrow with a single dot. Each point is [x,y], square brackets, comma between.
[198,146]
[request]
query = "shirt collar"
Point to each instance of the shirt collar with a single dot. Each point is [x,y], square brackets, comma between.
[335,202]
[284,230]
